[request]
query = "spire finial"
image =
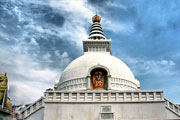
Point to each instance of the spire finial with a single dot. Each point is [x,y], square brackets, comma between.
[96,18]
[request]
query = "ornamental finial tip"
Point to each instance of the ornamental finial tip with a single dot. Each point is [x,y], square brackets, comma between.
[96,18]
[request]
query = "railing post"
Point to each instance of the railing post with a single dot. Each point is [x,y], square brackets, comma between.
[94,97]
[124,95]
[167,103]
[140,96]
[101,94]
[154,93]
[109,96]
[147,96]
[117,96]
[54,96]
[62,96]
[86,97]
[132,96]
[70,97]
[162,96]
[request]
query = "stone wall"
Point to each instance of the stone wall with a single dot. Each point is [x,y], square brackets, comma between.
[93,111]
[101,105]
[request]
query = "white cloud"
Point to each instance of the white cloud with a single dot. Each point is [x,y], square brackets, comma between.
[33,42]
[47,58]
[171,63]
[23,93]
[80,8]
[18,13]
[142,66]
[65,54]
[63,58]
[27,77]
[77,14]
[167,62]
[116,26]
[4,26]
[79,11]
[114,4]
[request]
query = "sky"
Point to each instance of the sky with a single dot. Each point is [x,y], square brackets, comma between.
[39,38]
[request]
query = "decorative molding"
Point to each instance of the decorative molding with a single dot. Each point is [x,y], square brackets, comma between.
[74,84]
[83,83]
[122,84]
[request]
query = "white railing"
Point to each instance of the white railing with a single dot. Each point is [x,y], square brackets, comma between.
[103,96]
[31,108]
[173,107]
[99,96]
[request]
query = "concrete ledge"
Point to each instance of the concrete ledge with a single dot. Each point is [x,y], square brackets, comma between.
[104,96]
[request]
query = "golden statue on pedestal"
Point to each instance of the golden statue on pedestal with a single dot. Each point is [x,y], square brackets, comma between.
[4,100]
[98,80]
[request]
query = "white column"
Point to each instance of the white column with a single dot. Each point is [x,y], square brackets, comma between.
[109,82]
[88,82]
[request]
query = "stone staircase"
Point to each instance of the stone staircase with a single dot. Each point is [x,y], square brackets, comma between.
[173,107]
[32,108]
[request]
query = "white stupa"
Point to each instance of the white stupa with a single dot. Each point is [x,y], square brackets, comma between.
[97,55]
[99,86]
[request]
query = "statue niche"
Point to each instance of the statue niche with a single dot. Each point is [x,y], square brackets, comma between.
[99,79]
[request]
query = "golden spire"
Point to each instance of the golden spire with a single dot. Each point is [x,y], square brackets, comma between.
[96,18]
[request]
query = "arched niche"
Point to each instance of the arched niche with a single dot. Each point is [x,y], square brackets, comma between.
[98,66]
[99,79]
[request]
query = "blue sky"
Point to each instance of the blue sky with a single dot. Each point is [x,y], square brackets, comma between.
[39,38]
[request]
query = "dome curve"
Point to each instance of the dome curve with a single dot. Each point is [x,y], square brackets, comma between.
[97,68]
[79,68]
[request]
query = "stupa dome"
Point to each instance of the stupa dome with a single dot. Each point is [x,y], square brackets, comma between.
[77,72]
[97,69]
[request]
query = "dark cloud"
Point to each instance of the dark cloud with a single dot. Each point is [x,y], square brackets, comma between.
[47,14]
[98,3]
[9,20]
[47,18]
[54,18]
[30,44]
[52,43]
